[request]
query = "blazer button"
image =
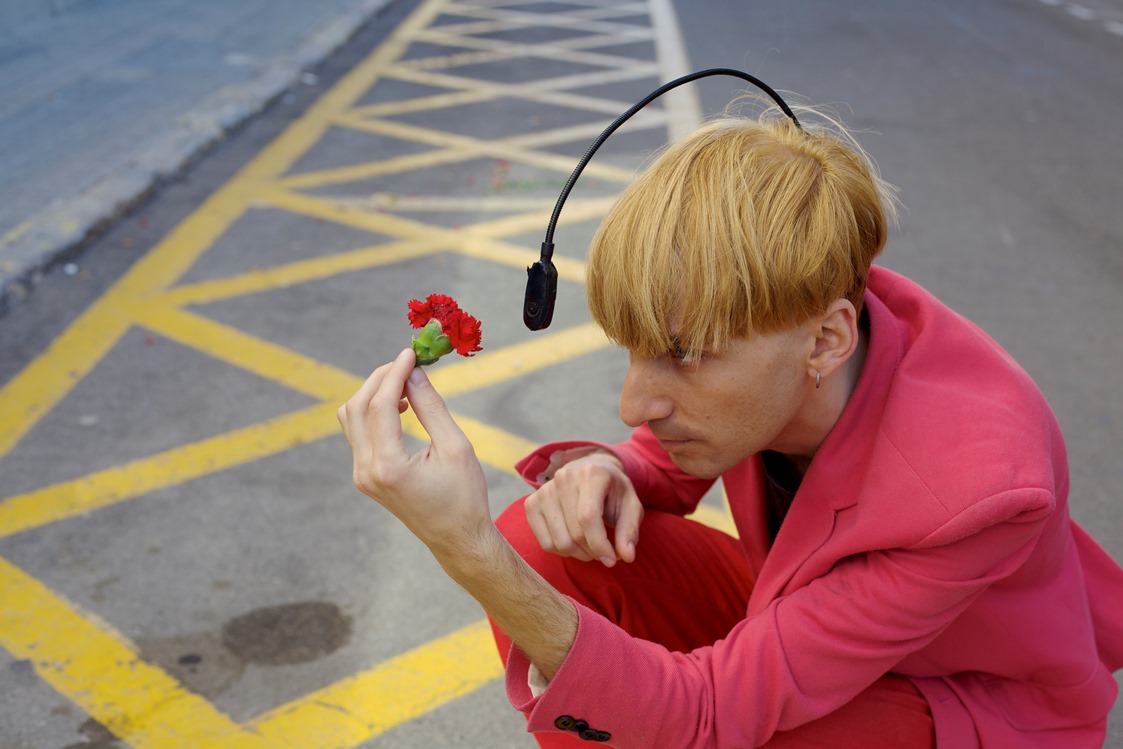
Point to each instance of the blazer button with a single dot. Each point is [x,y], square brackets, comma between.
[580,726]
[565,723]
[592,734]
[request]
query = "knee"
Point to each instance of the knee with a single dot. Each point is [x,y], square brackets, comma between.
[513,525]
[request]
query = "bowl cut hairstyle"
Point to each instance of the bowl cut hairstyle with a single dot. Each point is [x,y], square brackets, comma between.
[745,225]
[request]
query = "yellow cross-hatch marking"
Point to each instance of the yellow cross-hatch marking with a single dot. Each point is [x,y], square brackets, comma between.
[80,654]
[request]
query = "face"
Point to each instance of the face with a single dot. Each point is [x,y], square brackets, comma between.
[714,412]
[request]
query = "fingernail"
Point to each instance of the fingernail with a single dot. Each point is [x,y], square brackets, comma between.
[417,376]
[607,561]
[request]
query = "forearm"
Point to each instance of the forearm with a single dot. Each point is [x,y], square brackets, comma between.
[538,619]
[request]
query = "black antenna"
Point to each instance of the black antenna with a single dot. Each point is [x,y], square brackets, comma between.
[542,277]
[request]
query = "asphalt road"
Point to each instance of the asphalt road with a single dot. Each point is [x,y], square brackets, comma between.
[183,561]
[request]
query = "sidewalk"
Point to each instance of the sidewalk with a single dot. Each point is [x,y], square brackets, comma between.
[101,100]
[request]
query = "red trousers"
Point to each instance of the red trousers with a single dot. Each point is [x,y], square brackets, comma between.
[688,587]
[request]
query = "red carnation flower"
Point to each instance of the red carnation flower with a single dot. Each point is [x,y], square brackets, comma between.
[437,306]
[445,328]
[463,331]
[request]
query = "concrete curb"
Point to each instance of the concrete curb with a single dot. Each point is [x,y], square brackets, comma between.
[63,226]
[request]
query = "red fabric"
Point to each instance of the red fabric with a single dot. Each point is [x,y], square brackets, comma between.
[687,588]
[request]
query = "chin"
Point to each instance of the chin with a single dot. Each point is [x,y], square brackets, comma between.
[700,468]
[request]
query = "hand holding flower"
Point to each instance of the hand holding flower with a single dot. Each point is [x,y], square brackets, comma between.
[440,492]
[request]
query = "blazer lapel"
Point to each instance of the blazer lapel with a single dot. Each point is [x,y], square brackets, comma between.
[834,478]
[807,527]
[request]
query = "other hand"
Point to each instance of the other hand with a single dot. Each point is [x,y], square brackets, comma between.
[571,513]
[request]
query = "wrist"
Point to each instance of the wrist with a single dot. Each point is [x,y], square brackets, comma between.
[468,552]
[561,458]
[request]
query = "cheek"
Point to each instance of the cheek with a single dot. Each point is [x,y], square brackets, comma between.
[734,418]
[759,412]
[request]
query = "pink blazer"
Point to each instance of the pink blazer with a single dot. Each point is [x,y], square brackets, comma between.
[930,538]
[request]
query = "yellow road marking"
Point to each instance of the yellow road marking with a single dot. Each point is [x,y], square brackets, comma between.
[394,165]
[554,91]
[35,390]
[300,271]
[381,201]
[178,465]
[268,360]
[715,518]
[502,51]
[361,707]
[13,234]
[506,19]
[493,367]
[456,82]
[495,148]
[103,488]
[494,50]
[96,667]
[83,657]
[476,241]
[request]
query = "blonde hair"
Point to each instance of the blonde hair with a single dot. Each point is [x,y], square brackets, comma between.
[744,225]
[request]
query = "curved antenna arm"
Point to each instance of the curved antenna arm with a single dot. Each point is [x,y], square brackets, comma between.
[542,277]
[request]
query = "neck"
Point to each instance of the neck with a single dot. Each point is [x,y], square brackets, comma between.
[826,404]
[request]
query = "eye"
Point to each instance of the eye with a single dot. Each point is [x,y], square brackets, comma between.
[685,356]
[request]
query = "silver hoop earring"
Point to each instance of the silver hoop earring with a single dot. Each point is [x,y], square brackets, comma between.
[818,379]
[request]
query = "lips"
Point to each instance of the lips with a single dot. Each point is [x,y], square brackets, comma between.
[669,444]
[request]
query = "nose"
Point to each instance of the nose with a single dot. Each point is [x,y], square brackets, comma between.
[646,395]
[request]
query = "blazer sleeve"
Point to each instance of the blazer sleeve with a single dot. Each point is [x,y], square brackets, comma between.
[660,484]
[806,654]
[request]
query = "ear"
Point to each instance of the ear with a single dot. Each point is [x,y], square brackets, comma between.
[836,337]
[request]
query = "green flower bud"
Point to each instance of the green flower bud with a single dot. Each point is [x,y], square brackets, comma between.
[431,343]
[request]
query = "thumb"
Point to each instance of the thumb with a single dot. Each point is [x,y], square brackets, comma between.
[430,408]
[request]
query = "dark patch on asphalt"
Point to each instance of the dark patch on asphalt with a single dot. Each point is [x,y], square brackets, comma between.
[292,633]
[209,663]
[201,663]
[97,737]
[23,671]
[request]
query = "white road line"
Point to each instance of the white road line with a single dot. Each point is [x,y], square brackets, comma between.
[1083,12]
[1086,13]
[684,109]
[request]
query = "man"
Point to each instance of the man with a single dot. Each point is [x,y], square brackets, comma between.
[906,572]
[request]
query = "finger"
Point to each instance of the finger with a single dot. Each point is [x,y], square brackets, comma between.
[595,532]
[341,417]
[431,410]
[353,414]
[383,412]
[627,525]
[548,520]
[358,404]
[586,522]
[366,391]
[537,523]
[358,401]
[566,534]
